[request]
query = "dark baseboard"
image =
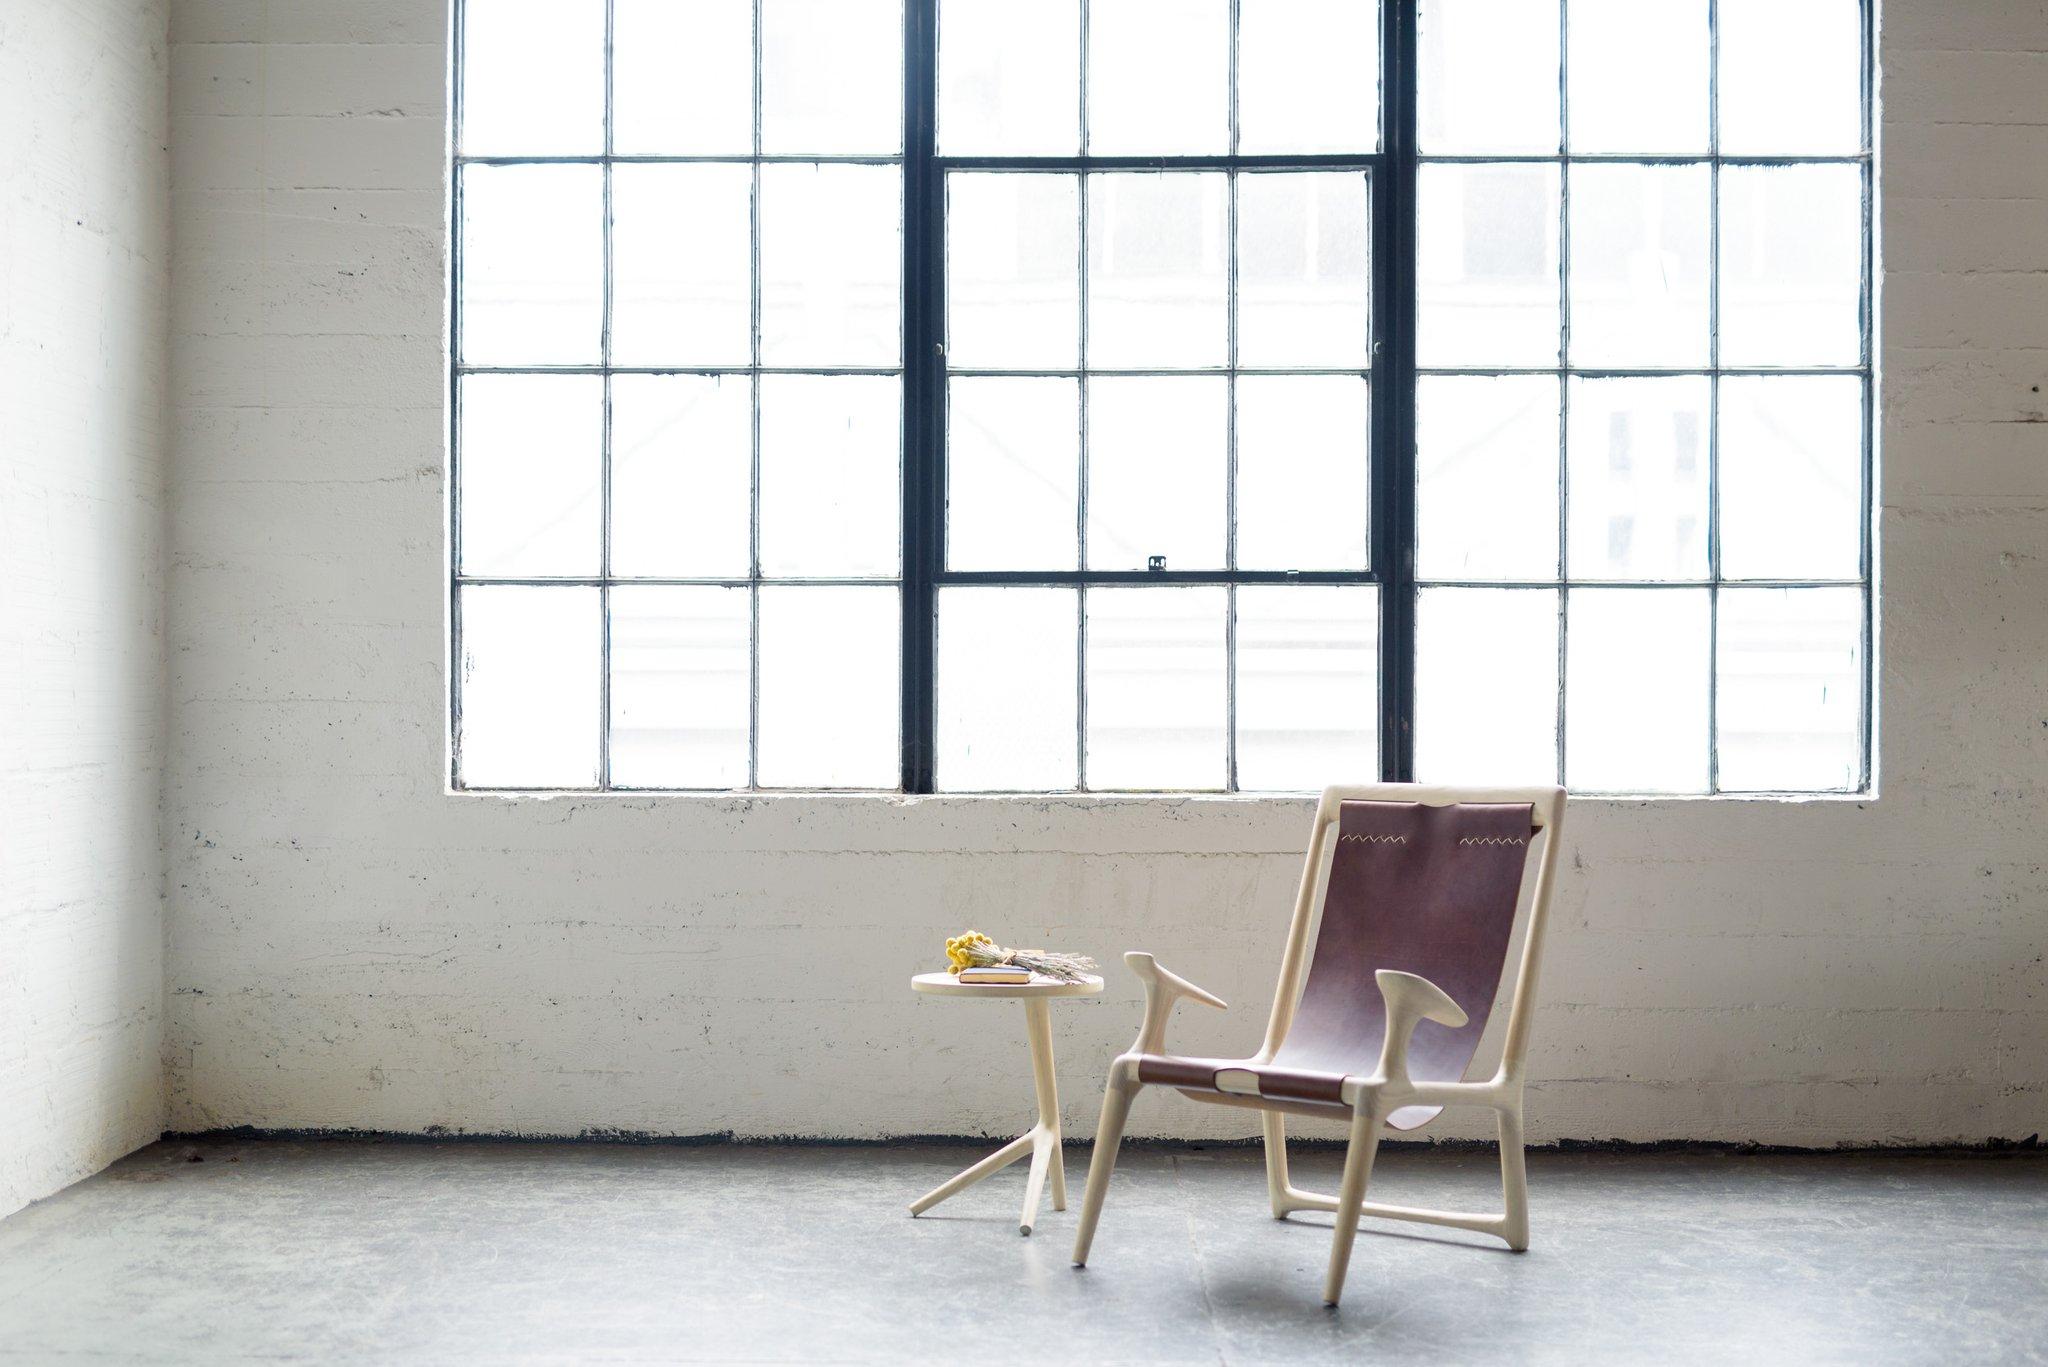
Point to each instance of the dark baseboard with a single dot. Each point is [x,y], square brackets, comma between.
[1992,1147]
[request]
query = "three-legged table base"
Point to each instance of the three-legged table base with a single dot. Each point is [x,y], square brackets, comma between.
[1041,1141]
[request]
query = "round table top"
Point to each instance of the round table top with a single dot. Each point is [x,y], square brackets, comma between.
[946,985]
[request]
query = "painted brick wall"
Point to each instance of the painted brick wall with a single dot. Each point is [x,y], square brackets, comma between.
[352,947]
[84,278]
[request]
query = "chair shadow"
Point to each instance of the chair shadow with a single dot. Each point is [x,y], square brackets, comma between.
[1449,1238]
[1270,1300]
[1267,1296]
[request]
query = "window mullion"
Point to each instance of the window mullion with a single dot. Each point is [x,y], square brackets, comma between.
[604,482]
[1393,389]
[924,392]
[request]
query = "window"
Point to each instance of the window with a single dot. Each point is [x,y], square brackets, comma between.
[1233,395]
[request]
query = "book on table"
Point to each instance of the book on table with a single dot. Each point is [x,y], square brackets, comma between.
[996,975]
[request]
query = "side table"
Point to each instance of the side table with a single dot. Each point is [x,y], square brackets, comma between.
[1042,1140]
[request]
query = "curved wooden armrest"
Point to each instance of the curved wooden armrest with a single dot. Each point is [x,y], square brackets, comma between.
[1411,999]
[1163,987]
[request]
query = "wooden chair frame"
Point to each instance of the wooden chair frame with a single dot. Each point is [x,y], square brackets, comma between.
[1370,1097]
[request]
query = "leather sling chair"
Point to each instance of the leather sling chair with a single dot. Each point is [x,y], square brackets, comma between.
[1429,894]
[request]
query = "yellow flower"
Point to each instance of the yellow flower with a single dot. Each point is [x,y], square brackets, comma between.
[959,949]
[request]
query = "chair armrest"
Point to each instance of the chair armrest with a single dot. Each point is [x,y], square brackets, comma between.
[1163,988]
[1410,999]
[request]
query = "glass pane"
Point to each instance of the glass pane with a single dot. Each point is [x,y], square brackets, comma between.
[532,277]
[1308,76]
[1157,472]
[1638,76]
[1009,78]
[1157,699]
[1158,77]
[1639,265]
[682,476]
[1156,267]
[1308,685]
[1488,76]
[830,713]
[529,470]
[1790,697]
[1791,265]
[1637,456]
[1486,451]
[1791,477]
[1304,472]
[1013,462]
[1636,684]
[1304,271]
[533,78]
[1487,269]
[682,265]
[1006,689]
[832,76]
[681,687]
[1486,686]
[1013,278]
[1791,76]
[831,491]
[831,265]
[682,78]
[527,707]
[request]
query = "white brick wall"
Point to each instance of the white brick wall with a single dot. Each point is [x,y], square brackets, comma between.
[84,273]
[351,947]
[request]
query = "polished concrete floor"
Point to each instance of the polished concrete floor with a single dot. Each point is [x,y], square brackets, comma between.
[363,1251]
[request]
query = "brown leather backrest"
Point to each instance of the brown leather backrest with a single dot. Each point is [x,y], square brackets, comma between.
[1427,890]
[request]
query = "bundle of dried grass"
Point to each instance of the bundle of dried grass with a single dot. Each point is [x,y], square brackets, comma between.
[976,950]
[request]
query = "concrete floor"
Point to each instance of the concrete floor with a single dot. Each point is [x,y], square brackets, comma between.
[360,1251]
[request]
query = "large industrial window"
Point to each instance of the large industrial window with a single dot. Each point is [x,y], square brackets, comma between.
[1233,395]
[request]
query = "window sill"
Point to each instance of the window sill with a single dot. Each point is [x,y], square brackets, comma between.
[743,798]
[1128,832]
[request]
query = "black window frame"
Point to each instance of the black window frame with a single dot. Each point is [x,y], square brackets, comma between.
[1392,171]
[1390,380]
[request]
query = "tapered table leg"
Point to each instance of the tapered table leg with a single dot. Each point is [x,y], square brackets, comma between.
[1038,1023]
[1041,1142]
[959,1182]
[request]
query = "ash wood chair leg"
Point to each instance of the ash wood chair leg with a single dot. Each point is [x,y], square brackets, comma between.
[1514,1182]
[1109,1134]
[1358,1159]
[1276,1163]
